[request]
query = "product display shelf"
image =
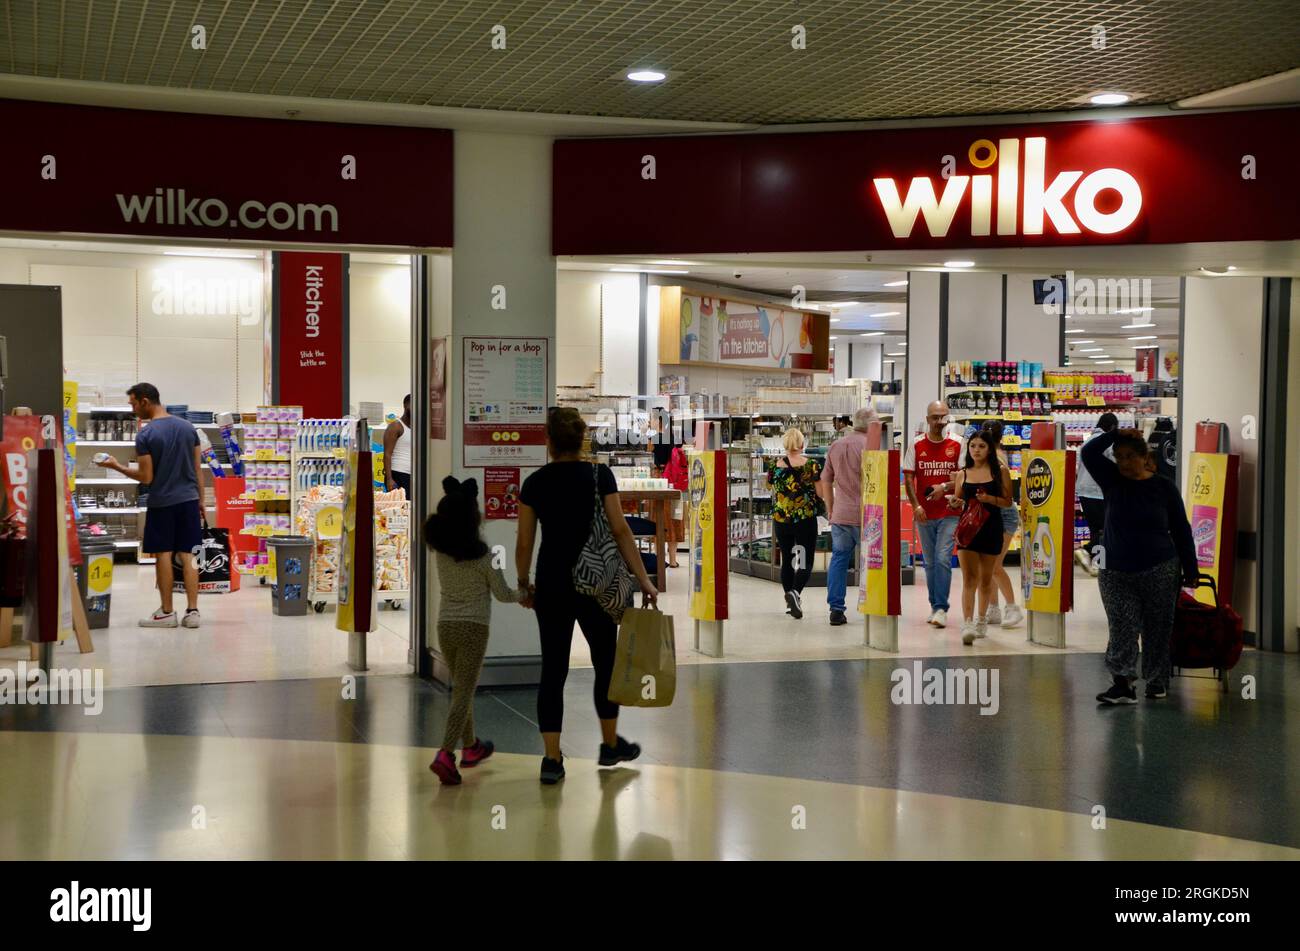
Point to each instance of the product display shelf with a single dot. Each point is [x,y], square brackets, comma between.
[104,498]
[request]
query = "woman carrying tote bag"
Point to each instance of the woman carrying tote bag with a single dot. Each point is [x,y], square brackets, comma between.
[562,496]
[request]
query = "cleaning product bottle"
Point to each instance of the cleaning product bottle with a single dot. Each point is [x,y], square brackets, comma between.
[1043,561]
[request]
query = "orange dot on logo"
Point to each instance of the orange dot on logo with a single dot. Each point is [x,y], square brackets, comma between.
[990,150]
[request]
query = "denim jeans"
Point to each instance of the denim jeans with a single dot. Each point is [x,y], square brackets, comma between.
[844,548]
[936,545]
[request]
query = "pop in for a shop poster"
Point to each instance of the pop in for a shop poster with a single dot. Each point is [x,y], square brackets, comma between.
[708,534]
[1047,487]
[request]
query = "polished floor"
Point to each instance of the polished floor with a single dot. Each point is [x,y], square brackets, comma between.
[295,769]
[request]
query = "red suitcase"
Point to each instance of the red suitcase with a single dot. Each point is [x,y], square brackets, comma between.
[1206,635]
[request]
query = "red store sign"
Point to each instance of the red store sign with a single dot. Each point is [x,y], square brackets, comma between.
[90,170]
[1204,177]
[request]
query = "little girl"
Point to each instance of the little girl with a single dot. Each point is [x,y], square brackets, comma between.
[466,577]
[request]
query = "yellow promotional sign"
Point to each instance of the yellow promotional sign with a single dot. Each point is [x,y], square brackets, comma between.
[70,429]
[708,534]
[1047,541]
[1205,496]
[99,574]
[329,522]
[877,524]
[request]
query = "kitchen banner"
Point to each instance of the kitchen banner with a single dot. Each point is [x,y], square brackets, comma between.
[93,170]
[1047,541]
[310,320]
[1212,512]
[879,554]
[708,533]
[716,330]
[505,401]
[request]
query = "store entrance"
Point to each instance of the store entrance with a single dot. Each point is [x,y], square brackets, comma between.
[198,323]
[1064,337]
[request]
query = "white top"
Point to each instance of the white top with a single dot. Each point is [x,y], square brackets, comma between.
[1085,486]
[401,461]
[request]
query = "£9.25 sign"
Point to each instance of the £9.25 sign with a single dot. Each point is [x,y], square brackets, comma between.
[1101,201]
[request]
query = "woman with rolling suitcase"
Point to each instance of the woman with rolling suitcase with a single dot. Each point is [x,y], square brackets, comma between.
[1147,554]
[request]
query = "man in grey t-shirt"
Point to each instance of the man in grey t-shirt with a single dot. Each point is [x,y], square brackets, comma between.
[168,461]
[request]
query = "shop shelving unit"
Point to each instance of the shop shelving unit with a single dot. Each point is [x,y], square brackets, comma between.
[123,523]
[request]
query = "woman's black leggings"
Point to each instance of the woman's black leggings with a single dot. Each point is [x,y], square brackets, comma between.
[792,535]
[557,610]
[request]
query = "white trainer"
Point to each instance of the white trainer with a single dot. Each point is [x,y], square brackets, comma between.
[994,615]
[939,618]
[191,619]
[981,627]
[159,619]
[1014,615]
[1081,556]
[968,632]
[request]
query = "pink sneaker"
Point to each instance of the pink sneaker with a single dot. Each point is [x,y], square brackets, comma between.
[473,755]
[444,767]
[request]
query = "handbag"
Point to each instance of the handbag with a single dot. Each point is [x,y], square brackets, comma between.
[645,660]
[972,520]
[600,571]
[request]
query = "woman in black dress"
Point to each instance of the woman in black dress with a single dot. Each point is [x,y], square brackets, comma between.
[982,481]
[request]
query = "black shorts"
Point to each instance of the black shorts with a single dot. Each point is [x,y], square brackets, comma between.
[172,528]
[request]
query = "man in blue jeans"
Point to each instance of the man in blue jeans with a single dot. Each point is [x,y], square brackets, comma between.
[928,470]
[841,488]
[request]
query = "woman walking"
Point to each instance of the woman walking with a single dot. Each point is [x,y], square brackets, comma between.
[1010,614]
[795,503]
[985,482]
[1147,551]
[562,497]
[468,582]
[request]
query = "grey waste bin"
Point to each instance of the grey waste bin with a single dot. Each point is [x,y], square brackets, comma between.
[95,577]
[292,557]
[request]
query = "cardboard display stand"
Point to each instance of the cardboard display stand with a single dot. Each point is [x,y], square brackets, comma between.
[1047,533]
[708,531]
[1212,484]
[879,593]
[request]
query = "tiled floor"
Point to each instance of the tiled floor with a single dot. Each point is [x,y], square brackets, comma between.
[242,641]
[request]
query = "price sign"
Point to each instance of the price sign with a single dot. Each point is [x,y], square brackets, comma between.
[1013,415]
[329,522]
[263,531]
[263,571]
[339,452]
[264,455]
[1094,401]
[99,574]
[1011,441]
[1010,388]
[264,495]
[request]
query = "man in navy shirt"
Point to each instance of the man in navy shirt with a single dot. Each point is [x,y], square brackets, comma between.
[167,461]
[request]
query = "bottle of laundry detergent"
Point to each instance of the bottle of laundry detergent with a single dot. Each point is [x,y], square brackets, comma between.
[1043,557]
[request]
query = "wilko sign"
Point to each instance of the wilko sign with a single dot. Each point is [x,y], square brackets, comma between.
[1106,201]
[1158,180]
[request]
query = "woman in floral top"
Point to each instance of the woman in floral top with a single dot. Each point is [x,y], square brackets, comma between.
[794,516]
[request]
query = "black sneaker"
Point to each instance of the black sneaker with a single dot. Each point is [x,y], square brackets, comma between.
[621,752]
[1156,692]
[1120,692]
[794,608]
[552,770]
[838,618]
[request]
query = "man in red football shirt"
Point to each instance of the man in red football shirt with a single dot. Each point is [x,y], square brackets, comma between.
[928,468]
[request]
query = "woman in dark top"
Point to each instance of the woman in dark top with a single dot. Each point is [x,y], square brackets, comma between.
[1146,551]
[561,495]
[982,481]
[794,516]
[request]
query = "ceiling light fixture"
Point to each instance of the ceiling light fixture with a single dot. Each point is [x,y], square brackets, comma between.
[886,313]
[958,263]
[647,270]
[895,354]
[1077,342]
[1135,326]
[1091,349]
[1218,271]
[646,76]
[874,333]
[1147,346]
[1103,361]
[209,254]
[1147,337]
[1133,310]
[895,284]
[1079,331]
[1109,99]
[835,320]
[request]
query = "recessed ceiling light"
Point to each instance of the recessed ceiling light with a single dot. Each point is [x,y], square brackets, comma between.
[646,76]
[958,263]
[1133,310]
[886,313]
[648,270]
[1147,346]
[1221,269]
[1135,326]
[835,338]
[874,333]
[895,284]
[683,263]
[902,345]
[1103,361]
[1091,349]
[1147,337]
[1077,342]
[1109,99]
[1076,331]
[209,254]
[835,320]
[895,354]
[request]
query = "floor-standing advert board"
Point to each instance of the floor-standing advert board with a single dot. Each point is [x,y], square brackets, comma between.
[708,533]
[880,592]
[505,400]
[1047,548]
[1212,512]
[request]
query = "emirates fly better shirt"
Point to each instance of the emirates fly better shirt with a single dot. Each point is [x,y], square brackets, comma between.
[934,464]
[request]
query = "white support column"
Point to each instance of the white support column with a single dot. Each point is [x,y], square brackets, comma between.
[924,374]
